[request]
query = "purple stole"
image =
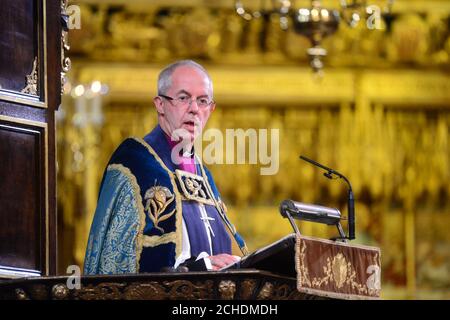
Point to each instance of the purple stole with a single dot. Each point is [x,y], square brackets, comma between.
[198,238]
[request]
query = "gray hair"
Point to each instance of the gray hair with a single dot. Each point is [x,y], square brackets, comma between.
[165,76]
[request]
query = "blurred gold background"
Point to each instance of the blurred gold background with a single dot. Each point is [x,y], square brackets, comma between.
[380,114]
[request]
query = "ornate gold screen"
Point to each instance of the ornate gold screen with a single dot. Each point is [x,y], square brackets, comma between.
[380,115]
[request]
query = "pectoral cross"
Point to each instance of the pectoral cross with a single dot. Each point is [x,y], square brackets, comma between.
[205,218]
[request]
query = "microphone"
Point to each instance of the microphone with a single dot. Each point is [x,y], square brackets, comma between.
[310,212]
[351,200]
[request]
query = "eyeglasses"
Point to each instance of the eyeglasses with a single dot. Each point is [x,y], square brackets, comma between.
[184,101]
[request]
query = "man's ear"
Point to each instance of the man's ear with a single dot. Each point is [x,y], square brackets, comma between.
[213,107]
[158,105]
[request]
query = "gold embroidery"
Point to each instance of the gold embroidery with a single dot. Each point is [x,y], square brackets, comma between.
[158,198]
[337,270]
[178,209]
[140,207]
[193,187]
[302,271]
[153,241]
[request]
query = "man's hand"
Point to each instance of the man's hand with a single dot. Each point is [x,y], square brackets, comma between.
[222,260]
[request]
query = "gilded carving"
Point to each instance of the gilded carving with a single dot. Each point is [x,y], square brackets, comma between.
[183,289]
[38,292]
[32,80]
[165,290]
[266,291]
[102,291]
[247,289]
[66,63]
[60,291]
[178,289]
[145,291]
[225,37]
[282,292]
[21,294]
[227,289]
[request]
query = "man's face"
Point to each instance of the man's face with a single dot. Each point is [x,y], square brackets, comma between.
[191,83]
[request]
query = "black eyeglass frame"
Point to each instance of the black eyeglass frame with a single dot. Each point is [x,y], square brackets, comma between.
[190,100]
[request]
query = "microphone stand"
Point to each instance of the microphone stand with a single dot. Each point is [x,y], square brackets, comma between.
[351,199]
[293,224]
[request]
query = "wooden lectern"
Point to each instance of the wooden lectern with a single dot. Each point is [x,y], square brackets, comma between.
[293,268]
[228,285]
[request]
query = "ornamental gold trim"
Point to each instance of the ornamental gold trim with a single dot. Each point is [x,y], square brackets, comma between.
[227,289]
[66,63]
[178,215]
[137,191]
[337,270]
[153,241]
[193,187]
[266,291]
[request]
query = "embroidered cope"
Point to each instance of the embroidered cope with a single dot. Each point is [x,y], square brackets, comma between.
[152,215]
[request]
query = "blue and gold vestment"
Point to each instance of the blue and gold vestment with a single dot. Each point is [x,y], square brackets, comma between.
[143,200]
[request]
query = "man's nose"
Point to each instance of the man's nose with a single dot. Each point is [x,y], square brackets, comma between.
[193,106]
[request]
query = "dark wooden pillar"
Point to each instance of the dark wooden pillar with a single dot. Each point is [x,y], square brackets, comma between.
[30,87]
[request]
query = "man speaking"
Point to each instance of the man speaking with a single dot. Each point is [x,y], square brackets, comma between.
[157,209]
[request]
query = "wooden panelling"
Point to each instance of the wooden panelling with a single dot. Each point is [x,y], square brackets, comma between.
[18,42]
[30,31]
[23,229]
